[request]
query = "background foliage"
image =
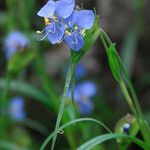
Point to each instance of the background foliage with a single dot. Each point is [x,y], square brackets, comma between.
[37,74]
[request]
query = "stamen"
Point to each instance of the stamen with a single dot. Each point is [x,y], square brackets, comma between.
[83,31]
[68,33]
[45,35]
[54,17]
[61,40]
[84,34]
[54,29]
[77,8]
[69,22]
[66,26]
[75,42]
[38,32]
[46,21]
[76,28]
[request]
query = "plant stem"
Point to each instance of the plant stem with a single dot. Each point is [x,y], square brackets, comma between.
[126,76]
[128,98]
[72,88]
[122,85]
[62,103]
[5,94]
[145,130]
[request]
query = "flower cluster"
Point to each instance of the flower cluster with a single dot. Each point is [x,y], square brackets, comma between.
[13,41]
[64,23]
[83,94]
[16,108]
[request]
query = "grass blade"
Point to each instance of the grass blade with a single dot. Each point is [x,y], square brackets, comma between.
[62,103]
[103,138]
[71,123]
[9,146]
[27,90]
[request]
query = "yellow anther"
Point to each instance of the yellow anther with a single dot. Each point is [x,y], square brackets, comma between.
[75,27]
[68,33]
[38,32]
[46,21]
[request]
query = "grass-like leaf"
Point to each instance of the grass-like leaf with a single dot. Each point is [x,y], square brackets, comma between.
[71,123]
[19,61]
[145,130]
[9,146]
[26,89]
[113,62]
[106,137]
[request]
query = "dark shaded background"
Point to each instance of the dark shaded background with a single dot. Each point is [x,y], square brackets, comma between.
[128,25]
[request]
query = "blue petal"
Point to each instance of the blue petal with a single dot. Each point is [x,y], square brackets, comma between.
[48,10]
[85,107]
[13,41]
[75,41]
[87,88]
[80,71]
[76,95]
[70,21]
[16,39]
[84,19]
[55,33]
[17,110]
[10,51]
[64,8]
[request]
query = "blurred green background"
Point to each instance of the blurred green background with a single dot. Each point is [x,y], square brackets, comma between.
[36,72]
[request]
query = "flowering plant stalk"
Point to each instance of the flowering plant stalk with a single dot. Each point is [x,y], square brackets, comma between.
[133,104]
[63,23]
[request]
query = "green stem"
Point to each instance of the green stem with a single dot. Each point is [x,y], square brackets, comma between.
[48,87]
[72,88]
[145,130]
[128,98]
[6,91]
[122,85]
[126,76]
[62,103]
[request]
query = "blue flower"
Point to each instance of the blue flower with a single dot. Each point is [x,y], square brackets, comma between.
[126,128]
[80,71]
[65,23]
[86,108]
[13,41]
[54,14]
[16,108]
[83,94]
[77,24]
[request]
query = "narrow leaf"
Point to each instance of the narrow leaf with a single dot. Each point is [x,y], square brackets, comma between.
[71,123]
[26,89]
[113,62]
[9,146]
[106,137]
[19,61]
